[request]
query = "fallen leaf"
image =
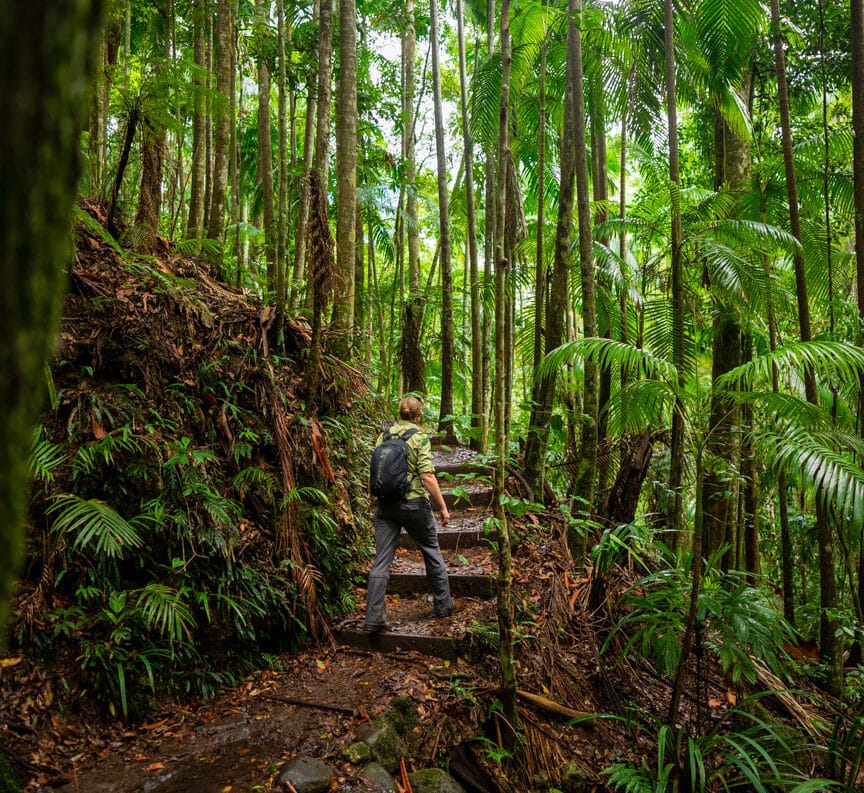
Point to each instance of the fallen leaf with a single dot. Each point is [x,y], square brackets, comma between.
[154,767]
[5,663]
[731,698]
[714,703]
[156,724]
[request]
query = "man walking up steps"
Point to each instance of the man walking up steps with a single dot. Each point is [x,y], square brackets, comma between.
[414,514]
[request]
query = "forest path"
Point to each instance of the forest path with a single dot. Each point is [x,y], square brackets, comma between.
[314,705]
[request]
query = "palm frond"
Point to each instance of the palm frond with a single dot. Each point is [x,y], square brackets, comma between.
[94,524]
[832,361]
[608,353]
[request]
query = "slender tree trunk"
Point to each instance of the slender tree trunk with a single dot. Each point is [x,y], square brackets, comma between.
[361,296]
[195,222]
[265,157]
[47,55]
[488,246]
[445,421]
[601,215]
[830,647]
[346,179]
[222,119]
[586,472]
[413,365]
[543,391]
[282,191]
[540,262]
[96,144]
[505,605]
[675,514]
[476,441]
[309,127]
[857,46]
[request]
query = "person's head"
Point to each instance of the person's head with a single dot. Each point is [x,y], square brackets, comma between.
[410,408]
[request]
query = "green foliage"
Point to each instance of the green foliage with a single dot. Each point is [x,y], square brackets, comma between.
[755,756]
[738,622]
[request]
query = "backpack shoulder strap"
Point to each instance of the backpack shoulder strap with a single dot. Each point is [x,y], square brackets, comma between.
[408,433]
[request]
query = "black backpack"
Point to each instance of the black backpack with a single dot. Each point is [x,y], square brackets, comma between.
[388,476]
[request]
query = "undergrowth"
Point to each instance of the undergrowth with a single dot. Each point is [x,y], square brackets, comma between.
[189,512]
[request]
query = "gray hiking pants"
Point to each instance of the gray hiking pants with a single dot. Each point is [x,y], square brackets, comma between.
[415,515]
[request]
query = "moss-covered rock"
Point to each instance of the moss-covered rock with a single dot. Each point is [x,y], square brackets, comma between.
[402,715]
[434,780]
[357,752]
[386,746]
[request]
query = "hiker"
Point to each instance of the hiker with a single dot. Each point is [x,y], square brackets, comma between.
[414,514]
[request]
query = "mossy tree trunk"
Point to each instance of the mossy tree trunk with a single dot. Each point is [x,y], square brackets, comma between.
[47,53]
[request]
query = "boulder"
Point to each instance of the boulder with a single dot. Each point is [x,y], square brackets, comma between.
[306,774]
[376,778]
[386,746]
[434,780]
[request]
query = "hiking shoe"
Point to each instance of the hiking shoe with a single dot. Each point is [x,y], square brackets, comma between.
[440,615]
[376,627]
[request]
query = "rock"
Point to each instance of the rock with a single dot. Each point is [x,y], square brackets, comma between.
[434,780]
[386,746]
[573,779]
[402,714]
[307,775]
[357,752]
[376,778]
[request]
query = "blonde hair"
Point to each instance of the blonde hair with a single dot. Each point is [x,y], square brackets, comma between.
[410,408]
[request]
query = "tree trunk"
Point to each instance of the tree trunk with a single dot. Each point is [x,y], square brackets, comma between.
[222,134]
[585,476]
[265,157]
[504,602]
[346,179]
[719,490]
[445,420]
[830,647]
[857,46]
[195,222]
[543,391]
[477,410]
[303,205]
[152,146]
[282,191]
[411,354]
[47,54]
[675,512]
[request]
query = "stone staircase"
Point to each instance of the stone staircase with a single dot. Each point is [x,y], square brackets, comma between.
[468,549]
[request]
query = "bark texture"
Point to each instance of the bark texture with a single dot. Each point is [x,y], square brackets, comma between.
[47,53]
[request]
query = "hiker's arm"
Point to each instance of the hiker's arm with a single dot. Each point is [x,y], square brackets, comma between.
[430,482]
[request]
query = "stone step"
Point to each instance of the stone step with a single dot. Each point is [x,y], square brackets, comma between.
[469,495]
[412,627]
[465,530]
[445,647]
[473,585]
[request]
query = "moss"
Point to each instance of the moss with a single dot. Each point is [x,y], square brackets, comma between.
[8,782]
